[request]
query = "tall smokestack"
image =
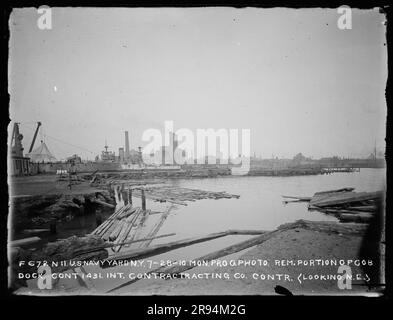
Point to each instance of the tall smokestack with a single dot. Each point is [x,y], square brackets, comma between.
[127,142]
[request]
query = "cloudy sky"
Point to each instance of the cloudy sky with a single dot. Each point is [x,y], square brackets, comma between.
[292,77]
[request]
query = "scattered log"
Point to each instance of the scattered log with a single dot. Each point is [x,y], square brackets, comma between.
[364,208]
[137,254]
[106,234]
[356,212]
[348,189]
[212,256]
[345,198]
[100,229]
[130,222]
[156,228]
[139,226]
[116,231]
[338,212]
[25,241]
[233,232]
[35,230]
[126,213]
[166,193]
[292,201]
[110,245]
[346,205]
[124,232]
[327,226]
[151,212]
[305,199]
[103,203]
[361,217]
[223,252]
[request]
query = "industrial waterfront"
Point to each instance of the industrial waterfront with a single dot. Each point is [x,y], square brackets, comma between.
[258,205]
[203,151]
[118,208]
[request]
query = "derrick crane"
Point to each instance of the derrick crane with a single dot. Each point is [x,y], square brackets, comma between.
[35,136]
[16,141]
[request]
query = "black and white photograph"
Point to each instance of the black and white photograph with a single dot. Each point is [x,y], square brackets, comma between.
[196,151]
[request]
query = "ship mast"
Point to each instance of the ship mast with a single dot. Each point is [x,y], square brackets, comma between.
[106,146]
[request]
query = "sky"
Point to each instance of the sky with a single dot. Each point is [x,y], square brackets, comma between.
[291,76]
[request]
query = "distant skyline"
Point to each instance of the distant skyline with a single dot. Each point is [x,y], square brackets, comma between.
[292,77]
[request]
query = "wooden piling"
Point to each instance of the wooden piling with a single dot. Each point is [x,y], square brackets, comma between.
[143,199]
[124,195]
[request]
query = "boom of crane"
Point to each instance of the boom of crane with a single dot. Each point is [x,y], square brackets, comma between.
[35,136]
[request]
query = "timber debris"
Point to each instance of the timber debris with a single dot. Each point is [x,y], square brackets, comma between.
[345,204]
[177,195]
[127,223]
[173,268]
[142,252]
[66,251]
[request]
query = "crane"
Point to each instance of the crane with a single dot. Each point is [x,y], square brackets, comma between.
[15,130]
[16,141]
[35,136]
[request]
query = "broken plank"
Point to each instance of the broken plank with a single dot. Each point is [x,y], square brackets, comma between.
[348,189]
[298,198]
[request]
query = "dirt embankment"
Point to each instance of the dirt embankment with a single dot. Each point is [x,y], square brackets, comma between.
[38,200]
[32,211]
